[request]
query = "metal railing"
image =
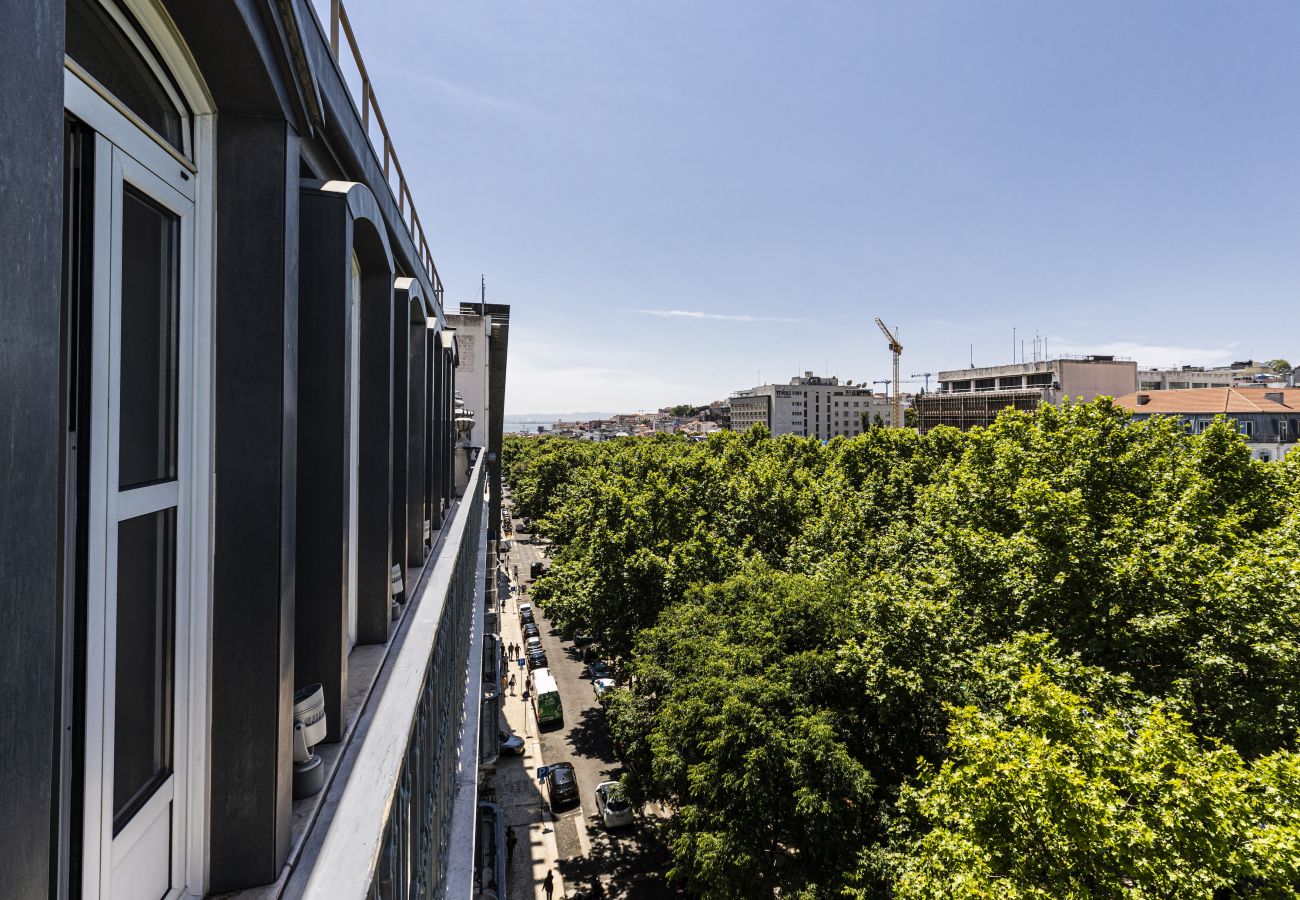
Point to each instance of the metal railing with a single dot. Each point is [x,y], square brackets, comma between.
[388,155]
[390,832]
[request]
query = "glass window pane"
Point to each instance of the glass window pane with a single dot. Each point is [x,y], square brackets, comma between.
[96,43]
[150,306]
[142,693]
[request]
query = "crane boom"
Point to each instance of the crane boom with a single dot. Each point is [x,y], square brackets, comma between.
[896,411]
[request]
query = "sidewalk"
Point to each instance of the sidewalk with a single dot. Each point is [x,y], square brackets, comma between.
[522,798]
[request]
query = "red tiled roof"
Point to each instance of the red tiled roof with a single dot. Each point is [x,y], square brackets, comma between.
[1208,401]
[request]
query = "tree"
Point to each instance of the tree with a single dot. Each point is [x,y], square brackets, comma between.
[853,665]
[1056,797]
[1280,366]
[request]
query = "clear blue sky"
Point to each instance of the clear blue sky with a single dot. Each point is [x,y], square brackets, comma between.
[674,195]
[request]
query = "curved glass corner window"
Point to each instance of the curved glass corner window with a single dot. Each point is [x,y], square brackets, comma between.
[150,310]
[97,43]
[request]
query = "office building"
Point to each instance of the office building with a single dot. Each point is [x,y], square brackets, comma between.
[973,397]
[810,406]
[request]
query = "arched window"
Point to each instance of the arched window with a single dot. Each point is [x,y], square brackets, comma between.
[103,44]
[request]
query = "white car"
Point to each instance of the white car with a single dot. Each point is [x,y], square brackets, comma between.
[600,686]
[532,644]
[612,804]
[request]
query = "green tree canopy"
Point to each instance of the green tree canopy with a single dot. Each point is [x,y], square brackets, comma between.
[856,667]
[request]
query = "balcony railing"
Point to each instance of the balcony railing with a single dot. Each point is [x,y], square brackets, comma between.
[389,831]
[369,103]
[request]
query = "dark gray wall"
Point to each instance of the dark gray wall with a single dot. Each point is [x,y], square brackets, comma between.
[320,646]
[255,501]
[31,193]
[401,426]
[375,459]
[329,234]
[417,444]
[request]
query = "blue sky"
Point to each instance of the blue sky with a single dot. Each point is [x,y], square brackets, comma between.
[675,196]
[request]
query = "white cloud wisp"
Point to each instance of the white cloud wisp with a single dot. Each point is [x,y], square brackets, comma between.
[721,317]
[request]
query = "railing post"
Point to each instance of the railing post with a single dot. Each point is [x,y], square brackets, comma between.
[365,105]
[334,26]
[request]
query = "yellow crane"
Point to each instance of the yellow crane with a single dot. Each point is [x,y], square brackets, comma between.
[896,412]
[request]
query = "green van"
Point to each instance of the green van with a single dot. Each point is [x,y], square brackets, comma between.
[546,697]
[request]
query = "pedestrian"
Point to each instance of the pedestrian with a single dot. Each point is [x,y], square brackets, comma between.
[511,840]
[512,685]
[549,884]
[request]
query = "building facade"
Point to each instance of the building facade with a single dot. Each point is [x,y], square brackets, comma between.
[1269,418]
[1184,378]
[810,406]
[228,404]
[969,398]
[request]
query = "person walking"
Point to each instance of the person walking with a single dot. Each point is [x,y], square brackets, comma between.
[549,884]
[512,684]
[511,840]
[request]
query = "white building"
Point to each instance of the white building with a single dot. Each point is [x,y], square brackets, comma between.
[1185,378]
[811,406]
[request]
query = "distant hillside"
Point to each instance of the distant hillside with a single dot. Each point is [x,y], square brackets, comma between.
[518,418]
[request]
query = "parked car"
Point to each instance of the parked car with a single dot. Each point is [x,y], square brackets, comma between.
[612,804]
[537,660]
[525,608]
[537,569]
[533,643]
[599,669]
[526,617]
[562,785]
[591,653]
[600,686]
[531,630]
[511,743]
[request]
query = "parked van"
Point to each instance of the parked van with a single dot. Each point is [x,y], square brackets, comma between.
[546,697]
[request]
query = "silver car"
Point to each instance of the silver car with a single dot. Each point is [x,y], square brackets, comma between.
[612,804]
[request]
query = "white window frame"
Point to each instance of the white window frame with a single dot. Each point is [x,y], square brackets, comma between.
[93,105]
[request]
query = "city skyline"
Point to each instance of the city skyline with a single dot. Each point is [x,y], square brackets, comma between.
[746,186]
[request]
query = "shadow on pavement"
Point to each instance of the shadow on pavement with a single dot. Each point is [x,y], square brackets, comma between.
[630,863]
[590,738]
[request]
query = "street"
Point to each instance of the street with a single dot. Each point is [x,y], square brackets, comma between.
[629,861]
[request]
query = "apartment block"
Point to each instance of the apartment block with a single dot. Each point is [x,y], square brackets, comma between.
[810,405]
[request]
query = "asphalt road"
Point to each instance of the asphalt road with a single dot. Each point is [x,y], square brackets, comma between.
[629,861]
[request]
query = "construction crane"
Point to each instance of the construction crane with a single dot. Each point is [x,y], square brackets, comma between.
[896,412]
[926,376]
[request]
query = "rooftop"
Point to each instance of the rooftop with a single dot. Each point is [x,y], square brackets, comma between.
[1213,400]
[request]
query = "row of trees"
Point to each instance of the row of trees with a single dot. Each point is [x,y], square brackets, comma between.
[1057,657]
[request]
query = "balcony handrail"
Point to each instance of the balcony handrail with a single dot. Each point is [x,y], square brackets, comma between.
[339,22]
[371,817]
